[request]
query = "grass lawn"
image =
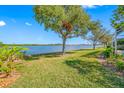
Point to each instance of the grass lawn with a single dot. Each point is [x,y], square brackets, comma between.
[79,69]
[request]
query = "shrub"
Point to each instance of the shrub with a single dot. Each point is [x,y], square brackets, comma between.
[120,65]
[110,60]
[8,56]
[5,69]
[119,56]
[1,63]
[108,52]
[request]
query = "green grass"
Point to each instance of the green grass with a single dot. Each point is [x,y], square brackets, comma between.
[75,69]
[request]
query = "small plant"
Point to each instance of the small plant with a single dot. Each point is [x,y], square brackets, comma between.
[6,70]
[8,57]
[119,56]
[110,61]
[120,65]
[108,52]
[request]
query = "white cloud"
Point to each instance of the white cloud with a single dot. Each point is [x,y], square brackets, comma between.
[90,6]
[28,24]
[2,23]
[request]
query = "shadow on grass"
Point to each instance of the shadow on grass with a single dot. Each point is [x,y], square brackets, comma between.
[30,58]
[92,54]
[82,66]
[96,73]
[84,50]
[49,55]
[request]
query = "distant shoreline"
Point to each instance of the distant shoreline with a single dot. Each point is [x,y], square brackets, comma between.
[44,44]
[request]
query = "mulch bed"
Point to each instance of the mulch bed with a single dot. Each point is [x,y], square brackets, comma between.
[7,80]
[110,66]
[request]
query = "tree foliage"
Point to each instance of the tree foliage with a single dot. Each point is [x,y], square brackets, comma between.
[66,20]
[118,19]
[118,23]
[107,38]
[95,32]
[98,34]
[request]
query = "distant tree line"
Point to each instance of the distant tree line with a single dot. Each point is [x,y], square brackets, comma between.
[120,41]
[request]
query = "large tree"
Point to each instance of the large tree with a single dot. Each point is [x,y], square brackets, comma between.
[118,22]
[66,20]
[106,39]
[96,33]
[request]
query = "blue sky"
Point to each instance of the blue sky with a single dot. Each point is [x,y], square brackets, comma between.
[17,25]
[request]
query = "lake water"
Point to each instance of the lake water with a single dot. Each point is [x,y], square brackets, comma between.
[51,49]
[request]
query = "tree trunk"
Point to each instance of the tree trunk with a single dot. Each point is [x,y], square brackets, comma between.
[94,46]
[112,45]
[63,46]
[115,43]
[104,45]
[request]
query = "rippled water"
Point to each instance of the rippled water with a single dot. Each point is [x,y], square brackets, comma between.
[51,49]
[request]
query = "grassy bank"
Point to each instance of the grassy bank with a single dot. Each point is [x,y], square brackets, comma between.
[75,69]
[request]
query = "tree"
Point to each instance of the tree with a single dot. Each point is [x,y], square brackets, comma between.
[106,39]
[118,22]
[67,21]
[96,33]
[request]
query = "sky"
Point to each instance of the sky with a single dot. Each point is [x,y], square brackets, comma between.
[18,26]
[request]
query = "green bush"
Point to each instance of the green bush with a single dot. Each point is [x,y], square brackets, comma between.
[120,56]
[117,56]
[108,52]
[11,53]
[1,63]
[8,56]
[120,65]
[5,69]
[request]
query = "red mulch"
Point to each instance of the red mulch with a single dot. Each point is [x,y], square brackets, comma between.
[6,81]
[111,67]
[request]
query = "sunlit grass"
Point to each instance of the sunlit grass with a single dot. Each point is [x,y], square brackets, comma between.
[75,69]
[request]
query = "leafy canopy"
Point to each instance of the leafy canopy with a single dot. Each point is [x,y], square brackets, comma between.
[118,19]
[96,31]
[68,21]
